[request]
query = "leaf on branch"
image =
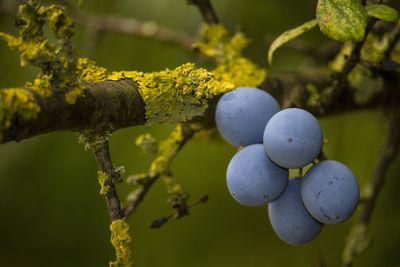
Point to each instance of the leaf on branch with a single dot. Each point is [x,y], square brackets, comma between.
[383,12]
[342,20]
[288,36]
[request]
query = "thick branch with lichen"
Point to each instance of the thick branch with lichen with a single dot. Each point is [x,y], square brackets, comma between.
[115,100]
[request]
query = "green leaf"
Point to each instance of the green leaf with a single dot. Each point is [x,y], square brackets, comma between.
[289,35]
[342,20]
[383,12]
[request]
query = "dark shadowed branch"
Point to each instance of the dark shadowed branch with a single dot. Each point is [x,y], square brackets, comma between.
[393,40]
[340,79]
[207,10]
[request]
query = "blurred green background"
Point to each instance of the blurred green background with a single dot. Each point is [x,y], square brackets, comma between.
[51,210]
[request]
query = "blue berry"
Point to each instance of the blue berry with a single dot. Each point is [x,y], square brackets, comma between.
[330,192]
[242,114]
[290,219]
[253,179]
[292,138]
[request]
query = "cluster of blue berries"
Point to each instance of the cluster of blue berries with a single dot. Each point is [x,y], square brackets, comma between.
[273,141]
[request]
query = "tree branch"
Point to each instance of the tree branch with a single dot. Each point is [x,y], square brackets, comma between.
[207,10]
[116,24]
[113,105]
[393,40]
[131,26]
[358,240]
[160,166]
[104,106]
[108,176]
[340,79]
[104,162]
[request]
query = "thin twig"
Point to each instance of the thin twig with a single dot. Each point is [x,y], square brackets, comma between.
[9,6]
[340,79]
[168,150]
[207,10]
[323,53]
[158,223]
[358,240]
[394,38]
[104,162]
[131,26]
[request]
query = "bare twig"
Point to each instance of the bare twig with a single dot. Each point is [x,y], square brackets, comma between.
[358,240]
[207,10]
[131,26]
[9,6]
[158,223]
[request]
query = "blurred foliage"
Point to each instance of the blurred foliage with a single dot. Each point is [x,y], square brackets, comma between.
[52,214]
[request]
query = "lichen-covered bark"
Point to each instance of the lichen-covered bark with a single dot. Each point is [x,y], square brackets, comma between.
[121,241]
[107,105]
[112,105]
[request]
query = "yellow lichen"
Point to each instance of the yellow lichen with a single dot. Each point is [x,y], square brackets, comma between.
[166,150]
[218,44]
[232,67]
[88,71]
[240,72]
[74,93]
[121,241]
[365,84]
[36,51]
[374,47]
[173,187]
[170,96]
[41,85]
[16,101]
[60,24]
[340,59]
[56,61]
[148,143]
[175,95]
[102,177]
